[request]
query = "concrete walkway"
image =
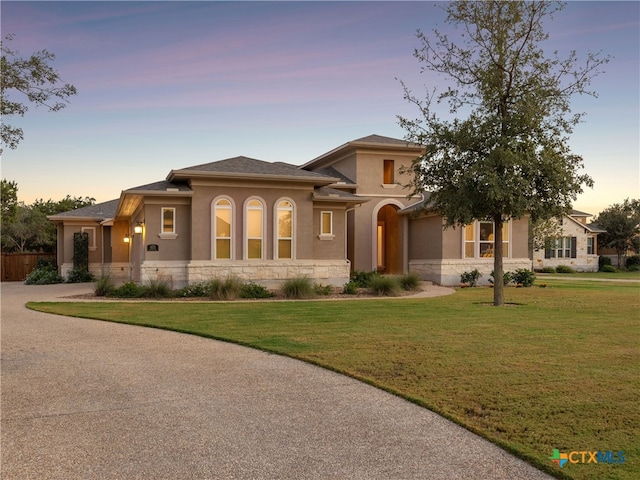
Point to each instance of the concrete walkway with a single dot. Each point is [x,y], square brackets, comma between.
[84,399]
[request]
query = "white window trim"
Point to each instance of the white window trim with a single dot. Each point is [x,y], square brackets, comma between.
[476,241]
[214,235]
[293,229]
[92,237]
[245,232]
[168,235]
[593,246]
[330,235]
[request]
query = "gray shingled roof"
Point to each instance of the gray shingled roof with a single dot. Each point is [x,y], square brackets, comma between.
[578,213]
[332,172]
[327,193]
[98,211]
[245,166]
[379,139]
[160,186]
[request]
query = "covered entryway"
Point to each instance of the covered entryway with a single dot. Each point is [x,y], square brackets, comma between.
[388,250]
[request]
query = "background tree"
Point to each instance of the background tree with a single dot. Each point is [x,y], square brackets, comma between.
[509,157]
[31,79]
[8,200]
[67,204]
[622,223]
[28,229]
[30,232]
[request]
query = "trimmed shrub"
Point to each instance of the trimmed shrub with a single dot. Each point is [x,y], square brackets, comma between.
[104,286]
[195,290]
[410,281]
[384,286]
[524,277]
[322,290]
[227,289]
[298,288]
[470,278]
[602,262]
[79,276]
[564,269]
[254,290]
[548,270]
[633,263]
[363,279]
[45,275]
[506,278]
[127,290]
[609,269]
[350,288]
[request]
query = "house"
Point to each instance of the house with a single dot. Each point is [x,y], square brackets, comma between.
[265,222]
[576,245]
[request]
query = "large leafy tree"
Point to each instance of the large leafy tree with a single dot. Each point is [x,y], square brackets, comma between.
[30,232]
[9,200]
[25,228]
[505,153]
[24,81]
[622,224]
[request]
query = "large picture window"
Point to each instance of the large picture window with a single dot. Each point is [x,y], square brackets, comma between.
[479,240]
[223,220]
[562,247]
[284,229]
[254,229]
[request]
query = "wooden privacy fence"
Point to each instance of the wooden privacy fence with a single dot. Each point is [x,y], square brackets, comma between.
[16,266]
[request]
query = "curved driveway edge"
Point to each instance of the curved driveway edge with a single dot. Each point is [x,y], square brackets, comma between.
[85,399]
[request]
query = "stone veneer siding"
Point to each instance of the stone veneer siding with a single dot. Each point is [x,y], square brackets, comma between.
[269,273]
[118,272]
[447,272]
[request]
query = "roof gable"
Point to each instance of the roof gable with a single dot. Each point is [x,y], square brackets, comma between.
[370,141]
[249,168]
[97,212]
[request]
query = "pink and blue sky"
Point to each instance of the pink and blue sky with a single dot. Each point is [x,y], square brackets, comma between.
[165,85]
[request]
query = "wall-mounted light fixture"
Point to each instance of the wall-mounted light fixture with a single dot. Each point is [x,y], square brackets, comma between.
[138,227]
[127,239]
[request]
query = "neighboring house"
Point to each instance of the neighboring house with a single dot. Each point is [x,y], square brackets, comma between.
[265,222]
[575,247]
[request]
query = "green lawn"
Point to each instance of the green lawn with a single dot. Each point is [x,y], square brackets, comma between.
[557,368]
[594,275]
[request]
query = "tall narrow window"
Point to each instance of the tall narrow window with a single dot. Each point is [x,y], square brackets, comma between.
[222,225]
[326,224]
[168,220]
[284,229]
[591,249]
[469,241]
[388,173]
[254,229]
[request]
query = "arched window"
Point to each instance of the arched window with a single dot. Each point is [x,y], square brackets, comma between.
[284,230]
[223,229]
[254,229]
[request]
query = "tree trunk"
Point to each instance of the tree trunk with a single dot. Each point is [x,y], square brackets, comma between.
[498,275]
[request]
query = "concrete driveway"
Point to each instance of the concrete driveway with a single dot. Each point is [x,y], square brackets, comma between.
[84,399]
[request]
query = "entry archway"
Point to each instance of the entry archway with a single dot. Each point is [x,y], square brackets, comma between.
[388,251]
